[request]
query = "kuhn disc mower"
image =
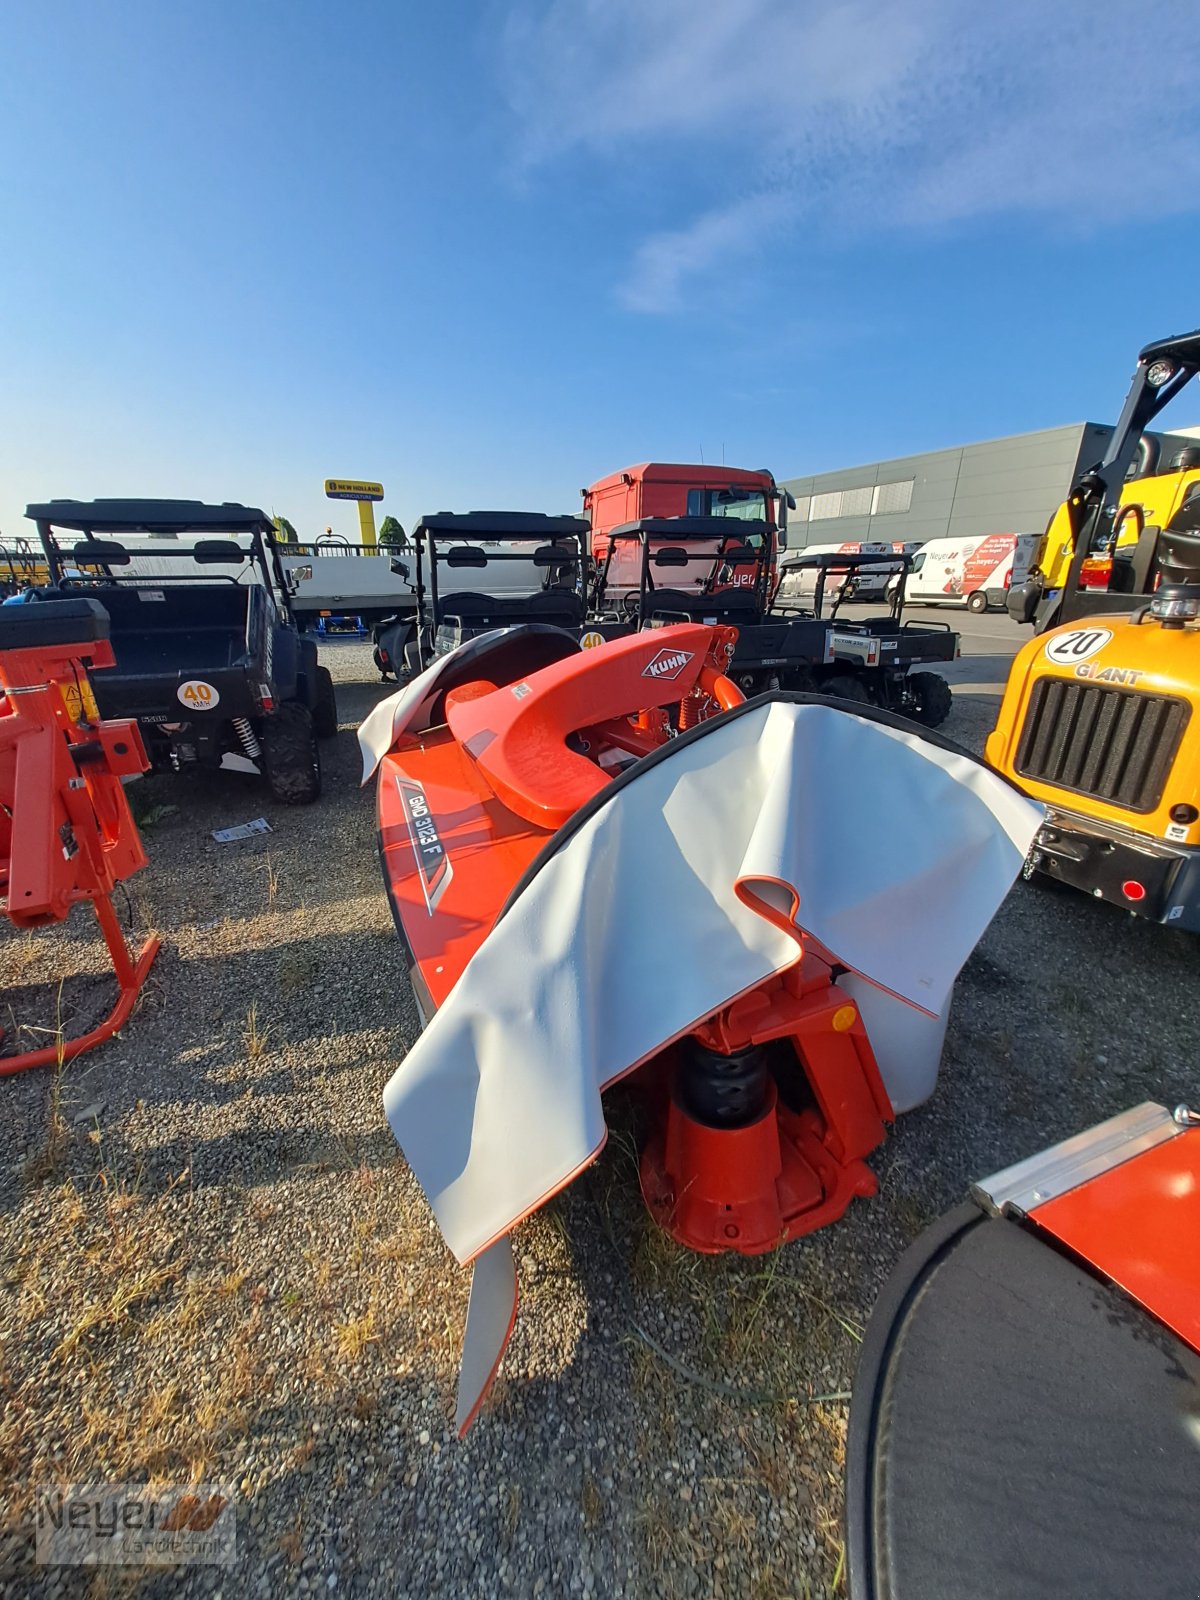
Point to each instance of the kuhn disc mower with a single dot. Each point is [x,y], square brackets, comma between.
[562,827]
[66,832]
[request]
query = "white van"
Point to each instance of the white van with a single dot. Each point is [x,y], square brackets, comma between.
[975,573]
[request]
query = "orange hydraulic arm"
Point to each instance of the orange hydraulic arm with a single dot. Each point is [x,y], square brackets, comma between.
[66,831]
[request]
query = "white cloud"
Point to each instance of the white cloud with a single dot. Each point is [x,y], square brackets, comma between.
[887,114]
[661,265]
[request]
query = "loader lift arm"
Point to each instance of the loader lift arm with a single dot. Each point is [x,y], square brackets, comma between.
[1163,368]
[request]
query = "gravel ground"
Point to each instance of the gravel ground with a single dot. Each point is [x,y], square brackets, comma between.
[217,1266]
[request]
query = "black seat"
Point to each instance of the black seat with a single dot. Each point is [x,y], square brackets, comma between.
[562,607]
[737,606]
[52,622]
[1179,545]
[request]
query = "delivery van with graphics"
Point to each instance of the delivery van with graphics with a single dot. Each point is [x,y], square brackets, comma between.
[974,572]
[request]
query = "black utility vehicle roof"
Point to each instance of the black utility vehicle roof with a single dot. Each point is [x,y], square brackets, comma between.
[150,516]
[1184,346]
[840,558]
[503,524]
[690,528]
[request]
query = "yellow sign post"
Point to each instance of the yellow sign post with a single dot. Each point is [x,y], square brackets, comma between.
[366,494]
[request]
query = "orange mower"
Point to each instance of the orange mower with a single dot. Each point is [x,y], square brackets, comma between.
[608,862]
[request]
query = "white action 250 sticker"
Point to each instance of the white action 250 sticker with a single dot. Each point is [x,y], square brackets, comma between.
[1070,648]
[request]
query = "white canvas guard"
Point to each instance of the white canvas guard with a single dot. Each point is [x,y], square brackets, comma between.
[691,885]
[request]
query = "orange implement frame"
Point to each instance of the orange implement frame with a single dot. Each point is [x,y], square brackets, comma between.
[792,1169]
[66,831]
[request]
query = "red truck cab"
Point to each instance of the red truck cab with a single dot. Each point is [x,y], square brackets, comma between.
[669,489]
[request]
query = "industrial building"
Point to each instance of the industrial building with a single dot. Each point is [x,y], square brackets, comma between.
[998,486]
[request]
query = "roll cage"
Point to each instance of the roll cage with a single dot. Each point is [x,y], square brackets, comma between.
[455,540]
[663,542]
[99,520]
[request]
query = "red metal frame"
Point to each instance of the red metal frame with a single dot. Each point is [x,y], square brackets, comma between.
[66,831]
[792,1171]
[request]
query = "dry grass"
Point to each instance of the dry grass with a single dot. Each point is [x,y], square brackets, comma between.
[49,1161]
[254,1035]
[671,1541]
[354,1336]
[591,1501]
[144,1345]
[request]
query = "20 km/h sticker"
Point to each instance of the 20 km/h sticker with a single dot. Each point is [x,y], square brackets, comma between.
[1076,645]
[197,695]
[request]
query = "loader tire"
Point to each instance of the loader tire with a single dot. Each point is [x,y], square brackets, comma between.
[324,712]
[932,697]
[290,755]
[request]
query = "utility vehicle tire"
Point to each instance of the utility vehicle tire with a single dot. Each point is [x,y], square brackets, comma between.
[933,698]
[324,714]
[290,755]
[977,601]
[846,687]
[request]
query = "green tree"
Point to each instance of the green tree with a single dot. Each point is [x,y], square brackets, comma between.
[285,532]
[392,536]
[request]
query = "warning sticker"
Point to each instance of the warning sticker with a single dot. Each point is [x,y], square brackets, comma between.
[198,695]
[80,701]
[591,639]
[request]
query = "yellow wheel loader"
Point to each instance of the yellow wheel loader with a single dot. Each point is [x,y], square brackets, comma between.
[1099,717]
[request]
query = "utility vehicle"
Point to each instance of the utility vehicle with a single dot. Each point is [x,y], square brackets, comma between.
[524,566]
[792,643]
[209,660]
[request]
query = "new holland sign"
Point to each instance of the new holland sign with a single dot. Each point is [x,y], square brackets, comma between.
[344,489]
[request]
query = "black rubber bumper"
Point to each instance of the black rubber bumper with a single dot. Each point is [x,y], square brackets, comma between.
[1114,866]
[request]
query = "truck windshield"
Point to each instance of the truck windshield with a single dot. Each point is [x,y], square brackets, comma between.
[747,505]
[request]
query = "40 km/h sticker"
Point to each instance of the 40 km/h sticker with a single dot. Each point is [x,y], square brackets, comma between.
[198,695]
[1078,644]
[590,640]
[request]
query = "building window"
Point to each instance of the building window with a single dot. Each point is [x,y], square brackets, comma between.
[824,506]
[890,497]
[856,502]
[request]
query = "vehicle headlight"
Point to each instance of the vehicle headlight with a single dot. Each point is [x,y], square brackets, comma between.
[1158,373]
[1177,603]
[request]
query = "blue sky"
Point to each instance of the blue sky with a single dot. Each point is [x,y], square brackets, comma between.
[488,252]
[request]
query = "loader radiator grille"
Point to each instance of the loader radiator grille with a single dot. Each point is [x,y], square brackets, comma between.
[1114,744]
